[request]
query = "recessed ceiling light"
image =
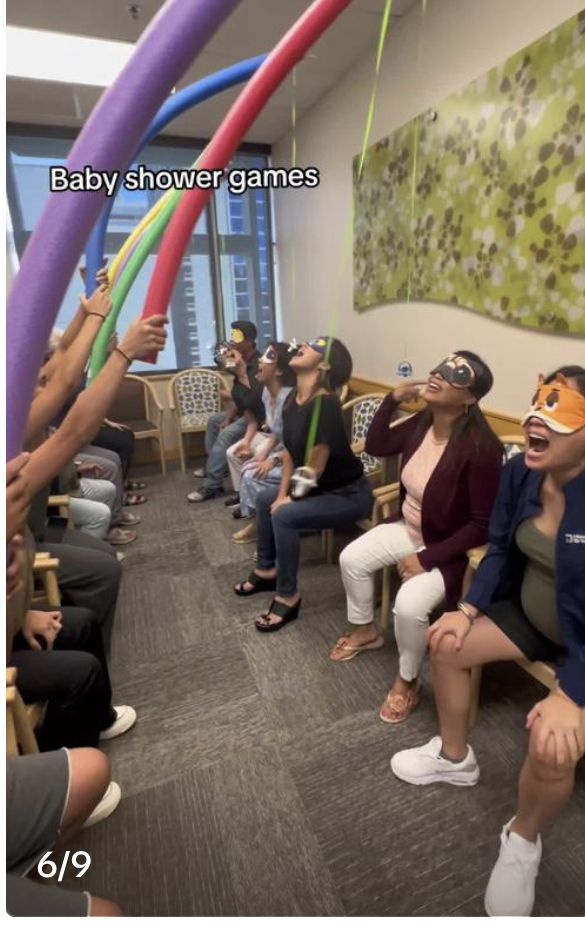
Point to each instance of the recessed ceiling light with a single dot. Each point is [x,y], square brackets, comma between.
[69,59]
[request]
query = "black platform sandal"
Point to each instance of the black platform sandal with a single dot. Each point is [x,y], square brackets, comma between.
[284,612]
[260,584]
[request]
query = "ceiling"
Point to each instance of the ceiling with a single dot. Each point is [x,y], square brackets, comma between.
[254,27]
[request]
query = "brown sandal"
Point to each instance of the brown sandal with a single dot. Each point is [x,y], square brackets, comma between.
[343,650]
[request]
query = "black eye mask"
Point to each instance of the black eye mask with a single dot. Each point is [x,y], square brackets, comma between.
[457,371]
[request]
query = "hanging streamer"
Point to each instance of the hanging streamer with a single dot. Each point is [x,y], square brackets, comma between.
[348,236]
[415,145]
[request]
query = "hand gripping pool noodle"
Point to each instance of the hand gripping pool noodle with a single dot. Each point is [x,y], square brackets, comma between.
[172,108]
[173,39]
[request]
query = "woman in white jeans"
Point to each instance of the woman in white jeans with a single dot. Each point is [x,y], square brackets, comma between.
[254,462]
[451,463]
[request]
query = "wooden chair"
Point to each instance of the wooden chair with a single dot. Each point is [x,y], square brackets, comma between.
[194,396]
[21,720]
[138,407]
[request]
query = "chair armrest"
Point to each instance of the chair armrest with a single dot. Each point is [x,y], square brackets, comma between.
[59,500]
[11,674]
[44,562]
[384,497]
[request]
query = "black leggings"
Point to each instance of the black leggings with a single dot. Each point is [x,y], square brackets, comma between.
[73,677]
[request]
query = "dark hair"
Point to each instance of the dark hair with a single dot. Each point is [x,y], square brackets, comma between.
[484,379]
[574,371]
[340,365]
[473,422]
[283,356]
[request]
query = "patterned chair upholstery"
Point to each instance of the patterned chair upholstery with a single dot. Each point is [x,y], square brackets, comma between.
[362,410]
[194,396]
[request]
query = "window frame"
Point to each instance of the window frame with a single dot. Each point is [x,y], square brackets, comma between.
[31,130]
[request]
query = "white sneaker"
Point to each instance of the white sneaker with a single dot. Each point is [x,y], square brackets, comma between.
[107,804]
[425,765]
[510,890]
[125,719]
[199,473]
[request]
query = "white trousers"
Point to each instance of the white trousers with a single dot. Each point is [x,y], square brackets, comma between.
[92,512]
[380,547]
[236,464]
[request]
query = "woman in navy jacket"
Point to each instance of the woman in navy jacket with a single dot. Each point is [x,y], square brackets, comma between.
[527,601]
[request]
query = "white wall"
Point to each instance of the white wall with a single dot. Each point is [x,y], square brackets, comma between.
[461,40]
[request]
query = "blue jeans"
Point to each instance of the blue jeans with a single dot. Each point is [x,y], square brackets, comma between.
[216,445]
[279,538]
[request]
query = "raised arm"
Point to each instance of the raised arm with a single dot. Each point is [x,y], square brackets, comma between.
[68,370]
[86,415]
[382,440]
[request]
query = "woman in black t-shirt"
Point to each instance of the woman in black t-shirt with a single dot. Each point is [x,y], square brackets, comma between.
[330,491]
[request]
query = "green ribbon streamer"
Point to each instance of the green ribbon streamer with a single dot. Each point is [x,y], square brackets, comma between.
[411,250]
[346,248]
[147,244]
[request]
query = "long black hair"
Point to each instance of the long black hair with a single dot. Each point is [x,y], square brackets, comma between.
[472,422]
[283,356]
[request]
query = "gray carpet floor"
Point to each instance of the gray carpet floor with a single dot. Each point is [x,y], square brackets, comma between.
[257,782]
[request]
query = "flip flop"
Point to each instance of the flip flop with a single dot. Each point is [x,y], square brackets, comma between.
[348,653]
[134,499]
[396,707]
[126,518]
[121,536]
[134,485]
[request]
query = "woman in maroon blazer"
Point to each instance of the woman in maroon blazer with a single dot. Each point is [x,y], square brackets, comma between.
[451,463]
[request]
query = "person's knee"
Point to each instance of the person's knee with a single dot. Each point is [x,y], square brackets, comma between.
[445,654]
[542,757]
[104,908]
[408,608]
[109,493]
[351,563]
[89,779]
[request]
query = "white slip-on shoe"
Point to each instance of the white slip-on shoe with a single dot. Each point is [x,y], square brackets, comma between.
[107,804]
[510,890]
[199,472]
[125,719]
[425,765]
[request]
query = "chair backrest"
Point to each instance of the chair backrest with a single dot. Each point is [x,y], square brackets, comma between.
[362,410]
[131,400]
[196,394]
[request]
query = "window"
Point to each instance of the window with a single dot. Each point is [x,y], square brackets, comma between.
[226,273]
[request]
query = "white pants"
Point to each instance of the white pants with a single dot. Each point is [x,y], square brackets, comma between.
[235,464]
[384,545]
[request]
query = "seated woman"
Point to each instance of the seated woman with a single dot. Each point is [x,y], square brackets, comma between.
[330,492]
[254,461]
[527,601]
[451,463]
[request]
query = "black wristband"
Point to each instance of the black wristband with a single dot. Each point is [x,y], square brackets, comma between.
[99,315]
[124,355]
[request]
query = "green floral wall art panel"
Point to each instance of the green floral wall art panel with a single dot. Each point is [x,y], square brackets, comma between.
[484,205]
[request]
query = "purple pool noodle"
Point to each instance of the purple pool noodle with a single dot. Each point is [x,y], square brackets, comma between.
[107,142]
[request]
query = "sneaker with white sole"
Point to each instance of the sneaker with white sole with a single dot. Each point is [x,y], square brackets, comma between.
[510,890]
[107,804]
[125,719]
[199,472]
[425,765]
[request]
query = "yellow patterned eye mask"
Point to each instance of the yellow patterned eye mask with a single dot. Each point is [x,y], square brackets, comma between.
[559,407]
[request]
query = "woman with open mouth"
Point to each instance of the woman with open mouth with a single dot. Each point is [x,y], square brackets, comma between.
[322,482]
[527,601]
[451,464]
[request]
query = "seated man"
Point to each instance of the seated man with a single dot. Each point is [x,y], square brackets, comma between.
[226,428]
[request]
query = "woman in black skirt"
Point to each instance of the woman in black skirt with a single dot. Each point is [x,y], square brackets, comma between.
[527,601]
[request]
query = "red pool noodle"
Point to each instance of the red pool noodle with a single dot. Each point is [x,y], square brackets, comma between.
[289,51]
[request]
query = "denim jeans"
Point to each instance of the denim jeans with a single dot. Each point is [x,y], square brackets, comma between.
[279,539]
[216,446]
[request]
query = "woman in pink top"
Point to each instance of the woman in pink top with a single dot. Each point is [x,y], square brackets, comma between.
[451,463]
